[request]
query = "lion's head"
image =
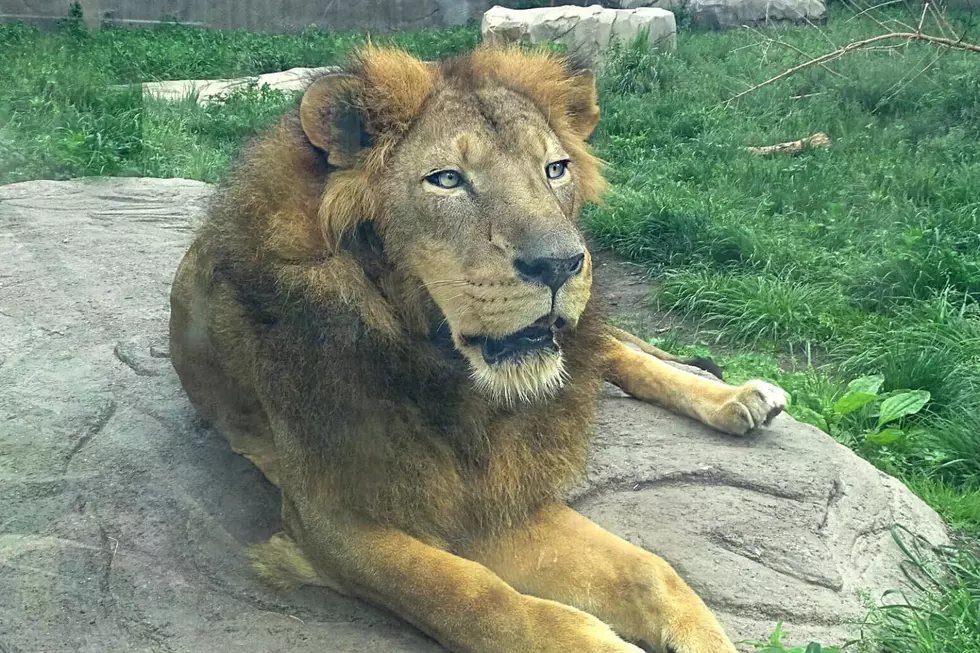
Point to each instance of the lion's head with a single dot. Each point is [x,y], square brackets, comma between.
[473,172]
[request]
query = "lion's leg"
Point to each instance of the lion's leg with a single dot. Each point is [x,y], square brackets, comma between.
[565,557]
[231,405]
[460,603]
[732,409]
[701,362]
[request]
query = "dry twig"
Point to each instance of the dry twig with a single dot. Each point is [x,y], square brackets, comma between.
[794,49]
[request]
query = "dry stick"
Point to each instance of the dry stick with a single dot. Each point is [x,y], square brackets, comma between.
[902,85]
[887,49]
[941,20]
[870,9]
[820,31]
[922,18]
[897,88]
[885,28]
[881,24]
[795,49]
[857,45]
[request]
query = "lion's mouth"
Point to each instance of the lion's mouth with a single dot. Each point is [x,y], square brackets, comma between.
[537,338]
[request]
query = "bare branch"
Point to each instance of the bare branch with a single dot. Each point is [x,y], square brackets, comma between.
[850,48]
[900,86]
[868,10]
[941,22]
[864,12]
[794,49]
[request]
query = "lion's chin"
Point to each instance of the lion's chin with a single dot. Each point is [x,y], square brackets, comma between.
[535,376]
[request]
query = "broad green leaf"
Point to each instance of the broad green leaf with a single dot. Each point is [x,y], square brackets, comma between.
[887,436]
[902,404]
[813,647]
[809,416]
[866,384]
[852,401]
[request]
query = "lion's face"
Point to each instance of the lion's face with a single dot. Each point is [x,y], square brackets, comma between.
[478,201]
[482,198]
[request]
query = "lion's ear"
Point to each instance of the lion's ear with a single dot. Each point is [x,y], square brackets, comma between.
[331,120]
[583,104]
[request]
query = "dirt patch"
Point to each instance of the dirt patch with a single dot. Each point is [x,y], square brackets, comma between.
[629,294]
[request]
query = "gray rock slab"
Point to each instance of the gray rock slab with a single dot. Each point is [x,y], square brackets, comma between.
[213,90]
[586,31]
[727,14]
[122,519]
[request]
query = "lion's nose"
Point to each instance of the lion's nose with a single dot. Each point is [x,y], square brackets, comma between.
[548,271]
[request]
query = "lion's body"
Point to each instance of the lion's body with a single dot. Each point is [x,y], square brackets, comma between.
[430,454]
[317,321]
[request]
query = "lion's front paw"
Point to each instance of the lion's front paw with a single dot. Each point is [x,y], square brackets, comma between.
[707,639]
[752,405]
[557,628]
[694,632]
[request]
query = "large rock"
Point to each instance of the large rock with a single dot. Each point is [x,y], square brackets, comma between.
[726,14]
[205,91]
[586,31]
[671,5]
[122,519]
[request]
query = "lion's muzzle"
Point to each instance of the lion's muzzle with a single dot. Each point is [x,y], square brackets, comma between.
[536,339]
[550,271]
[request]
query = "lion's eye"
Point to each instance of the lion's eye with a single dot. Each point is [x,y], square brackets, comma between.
[556,169]
[445,178]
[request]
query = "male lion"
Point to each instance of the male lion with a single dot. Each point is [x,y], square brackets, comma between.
[388,311]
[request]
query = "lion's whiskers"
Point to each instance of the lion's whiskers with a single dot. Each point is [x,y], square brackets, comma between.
[414,292]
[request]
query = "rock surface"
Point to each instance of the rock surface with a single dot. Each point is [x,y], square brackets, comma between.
[211,90]
[670,5]
[586,31]
[726,14]
[122,519]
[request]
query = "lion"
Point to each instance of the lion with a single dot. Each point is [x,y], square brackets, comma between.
[388,310]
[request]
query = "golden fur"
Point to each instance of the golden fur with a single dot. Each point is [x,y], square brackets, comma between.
[339,318]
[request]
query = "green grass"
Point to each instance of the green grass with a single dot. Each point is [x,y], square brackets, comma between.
[810,271]
[61,117]
[940,611]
